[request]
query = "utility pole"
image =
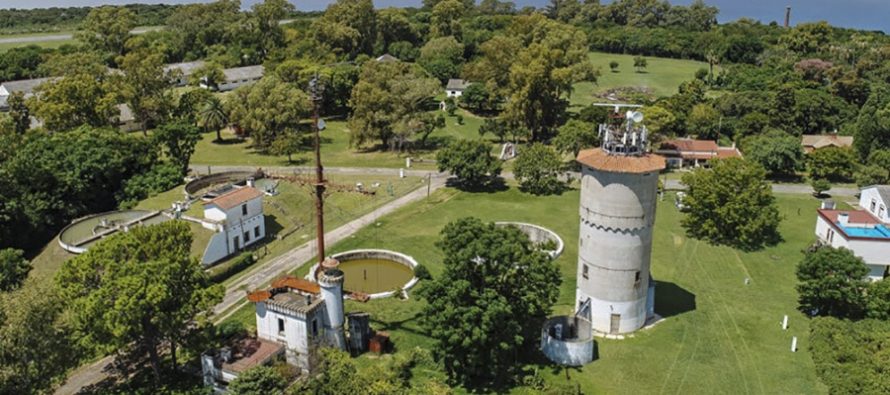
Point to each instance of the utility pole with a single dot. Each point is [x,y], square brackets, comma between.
[315,90]
[787,16]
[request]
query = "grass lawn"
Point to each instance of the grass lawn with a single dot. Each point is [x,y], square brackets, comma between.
[662,75]
[720,335]
[4,46]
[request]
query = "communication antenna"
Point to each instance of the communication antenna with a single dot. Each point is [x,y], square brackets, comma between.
[637,117]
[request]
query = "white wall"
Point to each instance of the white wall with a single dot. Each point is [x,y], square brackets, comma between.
[871,195]
[454,93]
[875,253]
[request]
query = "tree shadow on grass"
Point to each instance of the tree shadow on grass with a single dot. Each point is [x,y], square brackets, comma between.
[497,184]
[228,141]
[671,299]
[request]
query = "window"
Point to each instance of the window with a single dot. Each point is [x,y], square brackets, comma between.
[246,237]
[830,236]
[584,271]
[314,327]
[237,242]
[256,232]
[637,277]
[881,212]
[872,209]
[281,326]
[244,209]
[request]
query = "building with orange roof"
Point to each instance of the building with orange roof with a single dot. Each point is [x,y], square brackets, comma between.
[237,217]
[680,153]
[815,142]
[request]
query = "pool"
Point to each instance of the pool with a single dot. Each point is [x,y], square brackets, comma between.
[372,276]
[377,273]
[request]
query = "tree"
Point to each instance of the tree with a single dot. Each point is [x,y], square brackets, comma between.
[14,268]
[388,94]
[268,14]
[75,100]
[442,57]
[574,136]
[106,30]
[849,355]
[267,109]
[873,123]
[495,127]
[470,161]
[640,64]
[659,122]
[36,349]
[287,144]
[487,306]
[704,122]
[190,102]
[144,86]
[731,204]
[209,75]
[349,27]
[445,18]
[832,283]
[613,66]
[19,112]
[778,152]
[537,169]
[552,57]
[139,289]
[178,140]
[475,97]
[213,116]
[878,306]
[258,380]
[832,163]
[820,186]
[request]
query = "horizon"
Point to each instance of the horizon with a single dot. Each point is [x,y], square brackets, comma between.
[844,14]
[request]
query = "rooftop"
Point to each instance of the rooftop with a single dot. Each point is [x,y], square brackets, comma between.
[860,224]
[250,352]
[243,73]
[698,149]
[24,86]
[187,68]
[599,159]
[387,58]
[235,198]
[817,141]
[455,84]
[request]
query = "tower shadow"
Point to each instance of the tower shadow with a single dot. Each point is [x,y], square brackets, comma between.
[671,299]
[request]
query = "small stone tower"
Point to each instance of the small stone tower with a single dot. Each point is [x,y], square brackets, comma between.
[331,283]
[619,188]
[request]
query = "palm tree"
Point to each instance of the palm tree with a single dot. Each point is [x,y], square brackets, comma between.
[213,116]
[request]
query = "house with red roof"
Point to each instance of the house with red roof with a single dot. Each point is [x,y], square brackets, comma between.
[865,230]
[237,217]
[680,153]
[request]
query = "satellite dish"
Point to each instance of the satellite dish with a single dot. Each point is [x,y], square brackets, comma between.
[636,116]
[629,114]
[321,124]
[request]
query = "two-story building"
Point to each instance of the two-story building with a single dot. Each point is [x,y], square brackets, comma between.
[865,231]
[294,318]
[237,217]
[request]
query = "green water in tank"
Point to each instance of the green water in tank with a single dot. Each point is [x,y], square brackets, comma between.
[374,275]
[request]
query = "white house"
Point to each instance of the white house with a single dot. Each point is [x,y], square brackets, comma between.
[239,76]
[237,217]
[25,87]
[294,317]
[865,231]
[456,87]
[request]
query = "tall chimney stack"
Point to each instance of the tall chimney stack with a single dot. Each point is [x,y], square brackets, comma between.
[787,16]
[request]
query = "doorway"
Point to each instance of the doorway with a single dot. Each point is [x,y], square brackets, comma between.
[613,327]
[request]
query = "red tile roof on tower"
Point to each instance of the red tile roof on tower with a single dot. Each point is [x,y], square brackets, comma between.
[600,160]
[298,284]
[235,198]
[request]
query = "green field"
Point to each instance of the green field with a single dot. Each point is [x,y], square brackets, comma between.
[720,335]
[662,76]
[4,46]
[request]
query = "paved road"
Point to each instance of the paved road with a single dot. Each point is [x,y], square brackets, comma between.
[60,37]
[803,189]
[265,273]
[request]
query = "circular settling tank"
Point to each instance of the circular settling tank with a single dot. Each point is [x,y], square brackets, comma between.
[375,272]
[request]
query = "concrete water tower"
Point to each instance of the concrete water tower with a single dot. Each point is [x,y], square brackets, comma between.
[619,188]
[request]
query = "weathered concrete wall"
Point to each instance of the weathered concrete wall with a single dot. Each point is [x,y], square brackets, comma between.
[617,213]
[539,234]
[576,346]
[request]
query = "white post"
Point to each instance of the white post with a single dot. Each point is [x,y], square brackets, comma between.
[401,173]
[408,162]
[794,344]
[785,323]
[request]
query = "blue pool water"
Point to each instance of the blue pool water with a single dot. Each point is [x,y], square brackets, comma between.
[878,232]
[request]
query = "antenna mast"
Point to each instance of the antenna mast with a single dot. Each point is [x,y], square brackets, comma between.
[315,91]
[627,139]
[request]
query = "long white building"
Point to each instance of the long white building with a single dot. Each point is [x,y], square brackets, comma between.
[865,231]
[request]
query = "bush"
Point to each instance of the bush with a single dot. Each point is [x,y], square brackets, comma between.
[422,273]
[239,263]
[820,186]
[613,65]
[161,177]
[851,356]
[14,269]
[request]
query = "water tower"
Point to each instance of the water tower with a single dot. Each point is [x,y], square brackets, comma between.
[619,188]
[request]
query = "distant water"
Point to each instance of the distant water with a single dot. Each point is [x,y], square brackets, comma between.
[861,14]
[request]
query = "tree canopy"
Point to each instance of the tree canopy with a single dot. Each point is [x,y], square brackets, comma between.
[141,289]
[14,268]
[731,203]
[486,309]
[470,161]
[267,109]
[832,283]
[537,169]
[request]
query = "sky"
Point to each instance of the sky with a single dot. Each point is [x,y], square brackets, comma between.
[861,14]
